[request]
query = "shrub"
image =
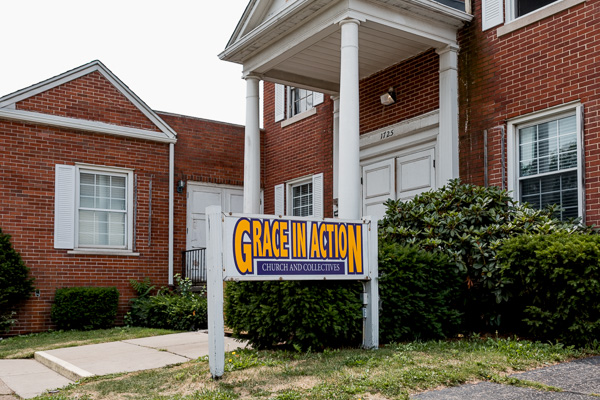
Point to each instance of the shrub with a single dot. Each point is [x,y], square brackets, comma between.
[301,315]
[179,310]
[554,284]
[85,308]
[15,283]
[468,223]
[418,290]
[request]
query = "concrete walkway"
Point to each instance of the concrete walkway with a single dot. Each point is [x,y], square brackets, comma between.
[54,369]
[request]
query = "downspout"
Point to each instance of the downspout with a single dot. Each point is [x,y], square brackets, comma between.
[503,156]
[171,206]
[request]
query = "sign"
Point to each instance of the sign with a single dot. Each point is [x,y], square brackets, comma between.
[242,247]
[269,248]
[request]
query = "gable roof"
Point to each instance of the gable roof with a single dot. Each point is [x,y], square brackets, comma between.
[9,110]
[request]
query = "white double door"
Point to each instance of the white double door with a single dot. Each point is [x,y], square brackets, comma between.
[397,177]
[200,196]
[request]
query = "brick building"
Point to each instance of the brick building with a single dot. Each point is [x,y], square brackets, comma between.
[385,99]
[89,179]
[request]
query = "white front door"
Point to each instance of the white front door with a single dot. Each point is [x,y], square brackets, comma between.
[379,185]
[398,177]
[200,196]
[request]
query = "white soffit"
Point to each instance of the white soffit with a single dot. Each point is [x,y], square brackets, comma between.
[299,43]
[9,111]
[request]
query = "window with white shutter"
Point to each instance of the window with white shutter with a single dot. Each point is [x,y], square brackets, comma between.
[305,197]
[293,102]
[93,208]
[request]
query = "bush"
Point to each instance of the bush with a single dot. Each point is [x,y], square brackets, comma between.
[554,284]
[179,310]
[418,290]
[468,223]
[85,308]
[302,315]
[15,283]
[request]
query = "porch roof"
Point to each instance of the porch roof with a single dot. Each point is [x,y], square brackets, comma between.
[297,42]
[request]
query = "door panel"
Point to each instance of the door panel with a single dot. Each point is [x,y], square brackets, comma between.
[200,197]
[415,174]
[378,186]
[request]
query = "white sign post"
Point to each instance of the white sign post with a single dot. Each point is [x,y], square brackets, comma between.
[244,247]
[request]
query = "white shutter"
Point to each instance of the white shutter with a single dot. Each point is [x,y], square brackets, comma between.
[64,207]
[279,203]
[317,181]
[317,98]
[279,102]
[492,13]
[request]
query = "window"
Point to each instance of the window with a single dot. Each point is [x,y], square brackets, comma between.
[548,163]
[300,100]
[304,197]
[519,13]
[522,7]
[294,104]
[302,200]
[93,208]
[102,209]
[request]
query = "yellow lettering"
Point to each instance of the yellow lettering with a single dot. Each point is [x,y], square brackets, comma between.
[267,244]
[330,239]
[257,249]
[343,241]
[355,249]
[242,251]
[322,240]
[283,239]
[299,239]
[314,241]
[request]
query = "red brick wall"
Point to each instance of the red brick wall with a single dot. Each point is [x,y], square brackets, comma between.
[300,149]
[416,82]
[89,97]
[306,147]
[206,151]
[28,155]
[548,63]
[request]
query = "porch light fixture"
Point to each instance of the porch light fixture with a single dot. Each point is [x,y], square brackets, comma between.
[180,186]
[389,97]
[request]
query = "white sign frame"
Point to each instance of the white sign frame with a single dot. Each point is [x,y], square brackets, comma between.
[221,266]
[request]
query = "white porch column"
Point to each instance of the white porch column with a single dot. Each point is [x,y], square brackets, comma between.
[448,136]
[349,190]
[336,146]
[252,148]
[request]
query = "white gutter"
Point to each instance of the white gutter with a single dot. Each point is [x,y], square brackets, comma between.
[171,201]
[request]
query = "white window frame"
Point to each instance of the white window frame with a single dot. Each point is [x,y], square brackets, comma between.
[289,186]
[550,114]
[512,23]
[284,106]
[74,192]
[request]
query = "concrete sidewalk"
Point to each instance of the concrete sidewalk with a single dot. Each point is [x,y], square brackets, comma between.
[57,368]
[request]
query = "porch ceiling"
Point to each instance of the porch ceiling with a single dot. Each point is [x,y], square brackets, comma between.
[300,44]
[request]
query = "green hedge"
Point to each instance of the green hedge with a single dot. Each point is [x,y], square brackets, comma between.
[468,223]
[181,309]
[301,315]
[419,294]
[85,308]
[15,283]
[554,285]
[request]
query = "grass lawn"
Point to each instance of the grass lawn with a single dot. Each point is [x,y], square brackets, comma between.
[24,346]
[392,372]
